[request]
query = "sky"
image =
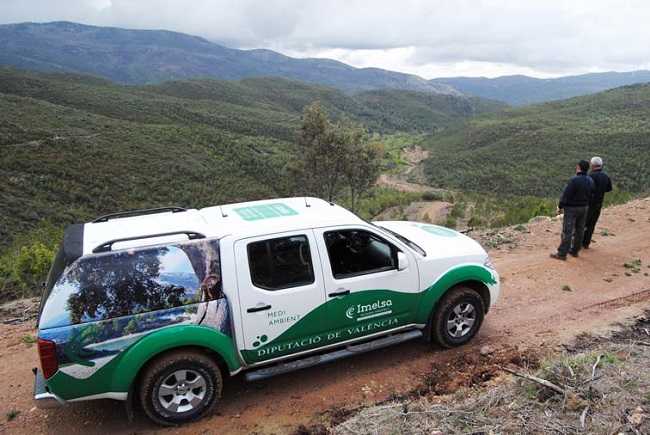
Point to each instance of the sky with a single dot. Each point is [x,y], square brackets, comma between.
[433,38]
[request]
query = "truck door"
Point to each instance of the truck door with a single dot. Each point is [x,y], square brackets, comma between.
[372,284]
[281,294]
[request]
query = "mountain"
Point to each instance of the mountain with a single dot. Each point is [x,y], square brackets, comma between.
[519,90]
[153,56]
[74,146]
[534,150]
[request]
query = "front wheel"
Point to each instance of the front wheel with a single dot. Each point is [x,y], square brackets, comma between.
[179,387]
[458,317]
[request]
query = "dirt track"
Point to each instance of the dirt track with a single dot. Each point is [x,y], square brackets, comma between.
[537,312]
[412,156]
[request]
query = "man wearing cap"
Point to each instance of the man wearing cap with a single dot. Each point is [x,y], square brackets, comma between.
[602,185]
[574,203]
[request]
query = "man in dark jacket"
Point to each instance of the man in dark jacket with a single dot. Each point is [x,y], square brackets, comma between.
[602,185]
[574,202]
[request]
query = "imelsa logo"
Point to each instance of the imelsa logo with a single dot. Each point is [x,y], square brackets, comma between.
[369,311]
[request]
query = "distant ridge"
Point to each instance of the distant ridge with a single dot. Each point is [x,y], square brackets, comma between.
[518,90]
[153,56]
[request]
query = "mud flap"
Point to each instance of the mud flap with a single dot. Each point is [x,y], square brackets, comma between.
[426,332]
[129,405]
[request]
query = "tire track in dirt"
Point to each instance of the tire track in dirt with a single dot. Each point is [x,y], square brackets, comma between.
[642,296]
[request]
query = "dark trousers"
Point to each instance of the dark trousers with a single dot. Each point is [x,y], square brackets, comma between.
[573,230]
[592,217]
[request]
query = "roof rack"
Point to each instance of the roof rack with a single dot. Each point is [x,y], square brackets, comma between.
[142,212]
[108,246]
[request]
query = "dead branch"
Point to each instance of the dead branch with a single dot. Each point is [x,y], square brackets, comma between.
[13,321]
[544,382]
[591,380]
[593,369]
[642,343]
[583,417]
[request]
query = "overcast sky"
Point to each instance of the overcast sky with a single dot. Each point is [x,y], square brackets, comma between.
[432,38]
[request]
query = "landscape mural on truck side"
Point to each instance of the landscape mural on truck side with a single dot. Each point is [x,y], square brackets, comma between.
[105,303]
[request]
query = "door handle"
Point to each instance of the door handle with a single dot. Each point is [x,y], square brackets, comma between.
[258,307]
[339,292]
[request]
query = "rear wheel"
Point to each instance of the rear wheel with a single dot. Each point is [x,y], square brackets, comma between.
[458,317]
[179,387]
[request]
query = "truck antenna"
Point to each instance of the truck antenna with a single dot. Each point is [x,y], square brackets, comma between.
[222,212]
[306,203]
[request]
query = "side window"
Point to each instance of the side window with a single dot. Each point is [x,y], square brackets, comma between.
[134,281]
[358,252]
[280,263]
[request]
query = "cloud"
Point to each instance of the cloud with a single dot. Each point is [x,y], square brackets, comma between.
[426,37]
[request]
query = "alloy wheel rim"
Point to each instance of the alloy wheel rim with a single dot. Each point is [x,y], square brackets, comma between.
[461,320]
[182,391]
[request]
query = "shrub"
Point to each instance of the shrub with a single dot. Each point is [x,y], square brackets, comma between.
[379,199]
[32,264]
[25,264]
[432,196]
[450,222]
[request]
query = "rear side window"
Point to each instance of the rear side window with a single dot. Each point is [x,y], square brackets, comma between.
[56,270]
[358,252]
[280,263]
[134,281]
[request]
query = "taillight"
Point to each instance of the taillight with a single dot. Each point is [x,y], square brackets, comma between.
[47,354]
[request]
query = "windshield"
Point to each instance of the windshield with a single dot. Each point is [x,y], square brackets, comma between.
[402,239]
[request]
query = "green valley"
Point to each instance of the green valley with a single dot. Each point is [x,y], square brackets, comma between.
[534,150]
[74,147]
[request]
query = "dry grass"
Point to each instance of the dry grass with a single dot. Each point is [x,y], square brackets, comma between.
[606,390]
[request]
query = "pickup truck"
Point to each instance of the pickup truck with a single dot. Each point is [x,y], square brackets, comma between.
[160,305]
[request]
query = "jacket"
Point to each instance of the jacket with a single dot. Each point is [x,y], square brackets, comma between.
[602,185]
[578,191]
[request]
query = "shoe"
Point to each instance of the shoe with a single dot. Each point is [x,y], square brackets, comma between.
[558,256]
[585,246]
[574,254]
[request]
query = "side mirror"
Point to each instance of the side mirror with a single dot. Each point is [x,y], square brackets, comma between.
[402,261]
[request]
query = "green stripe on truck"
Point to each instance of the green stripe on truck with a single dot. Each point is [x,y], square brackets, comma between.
[363,313]
[119,373]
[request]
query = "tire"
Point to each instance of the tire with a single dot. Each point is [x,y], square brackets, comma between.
[458,317]
[193,382]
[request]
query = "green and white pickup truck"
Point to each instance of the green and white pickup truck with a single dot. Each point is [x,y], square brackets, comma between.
[160,305]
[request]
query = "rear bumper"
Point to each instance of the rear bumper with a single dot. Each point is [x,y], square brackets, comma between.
[42,397]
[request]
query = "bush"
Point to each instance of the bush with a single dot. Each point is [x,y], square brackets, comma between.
[32,264]
[499,211]
[617,196]
[432,196]
[25,264]
[379,199]
[450,222]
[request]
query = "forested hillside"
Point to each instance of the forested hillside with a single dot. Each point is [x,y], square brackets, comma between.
[154,56]
[76,146]
[534,150]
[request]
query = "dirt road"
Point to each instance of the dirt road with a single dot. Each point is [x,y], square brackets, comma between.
[413,156]
[544,303]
